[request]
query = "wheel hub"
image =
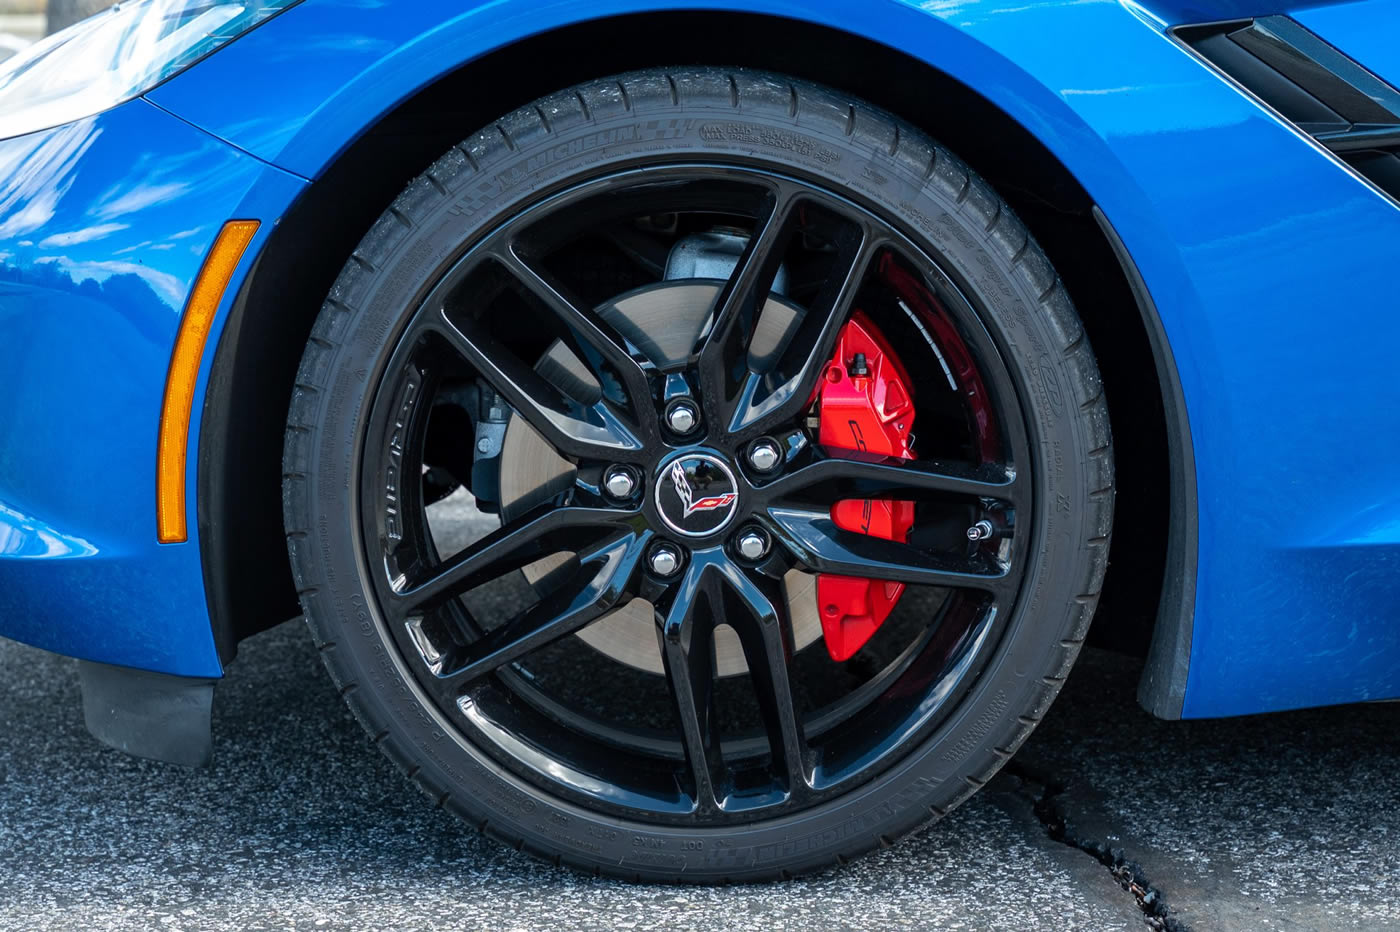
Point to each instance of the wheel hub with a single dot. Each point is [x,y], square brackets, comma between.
[663,321]
[863,406]
[696,494]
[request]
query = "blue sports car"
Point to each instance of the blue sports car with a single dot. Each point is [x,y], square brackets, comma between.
[699,433]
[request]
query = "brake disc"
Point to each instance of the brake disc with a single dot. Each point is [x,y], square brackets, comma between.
[663,322]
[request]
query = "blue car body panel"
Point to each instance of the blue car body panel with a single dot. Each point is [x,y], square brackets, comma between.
[105,224]
[1367,30]
[1267,260]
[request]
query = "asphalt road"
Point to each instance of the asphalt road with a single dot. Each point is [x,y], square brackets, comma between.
[1278,822]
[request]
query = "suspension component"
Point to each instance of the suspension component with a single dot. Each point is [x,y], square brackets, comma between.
[864,406]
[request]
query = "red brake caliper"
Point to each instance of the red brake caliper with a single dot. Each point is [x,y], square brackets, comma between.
[864,405]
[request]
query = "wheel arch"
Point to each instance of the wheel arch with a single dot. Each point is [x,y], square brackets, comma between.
[239,478]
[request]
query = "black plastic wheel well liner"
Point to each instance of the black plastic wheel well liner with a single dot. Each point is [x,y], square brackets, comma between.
[240,519]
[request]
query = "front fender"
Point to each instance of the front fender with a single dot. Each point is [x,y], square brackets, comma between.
[104,224]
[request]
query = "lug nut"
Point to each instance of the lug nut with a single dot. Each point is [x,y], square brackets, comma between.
[764,455]
[752,543]
[980,531]
[620,482]
[682,416]
[664,560]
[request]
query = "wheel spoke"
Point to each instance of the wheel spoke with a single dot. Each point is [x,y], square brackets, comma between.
[762,406]
[816,541]
[686,635]
[503,550]
[585,336]
[596,587]
[516,327]
[725,348]
[768,648]
[856,475]
[594,432]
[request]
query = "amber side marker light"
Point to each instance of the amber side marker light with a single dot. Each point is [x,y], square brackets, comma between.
[208,291]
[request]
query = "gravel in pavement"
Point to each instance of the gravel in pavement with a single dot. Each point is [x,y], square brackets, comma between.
[300,823]
[1275,822]
[1287,821]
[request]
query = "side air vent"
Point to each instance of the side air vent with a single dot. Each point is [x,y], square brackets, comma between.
[1323,92]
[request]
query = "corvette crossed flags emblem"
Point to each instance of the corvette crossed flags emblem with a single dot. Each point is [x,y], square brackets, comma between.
[687,494]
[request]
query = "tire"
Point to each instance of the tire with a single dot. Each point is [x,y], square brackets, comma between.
[754,119]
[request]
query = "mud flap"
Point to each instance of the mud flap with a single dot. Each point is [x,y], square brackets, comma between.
[152,715]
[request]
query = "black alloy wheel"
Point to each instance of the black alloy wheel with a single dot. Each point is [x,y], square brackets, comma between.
[556,503]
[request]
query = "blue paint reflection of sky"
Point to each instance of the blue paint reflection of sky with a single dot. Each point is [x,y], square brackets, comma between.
[103,226]
[68,207]
[24,537]
[35,173]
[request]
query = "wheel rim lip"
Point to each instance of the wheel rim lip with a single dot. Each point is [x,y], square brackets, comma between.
[967,314]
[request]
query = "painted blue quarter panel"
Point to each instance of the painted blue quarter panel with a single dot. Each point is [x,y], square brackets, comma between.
[104,224]
[1270,264]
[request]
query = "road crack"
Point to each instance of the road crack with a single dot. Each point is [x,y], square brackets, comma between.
[1047,796]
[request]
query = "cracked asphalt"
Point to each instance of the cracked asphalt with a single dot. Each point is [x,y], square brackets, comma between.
[1275,822]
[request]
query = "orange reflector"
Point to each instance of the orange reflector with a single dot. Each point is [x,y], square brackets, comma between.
[208,291]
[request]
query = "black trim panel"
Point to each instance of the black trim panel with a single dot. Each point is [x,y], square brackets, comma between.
[1162,690]
[242,547]
[1327,95]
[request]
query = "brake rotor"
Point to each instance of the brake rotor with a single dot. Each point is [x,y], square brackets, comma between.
[663,322]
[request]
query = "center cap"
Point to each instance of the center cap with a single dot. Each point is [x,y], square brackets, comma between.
[696,494]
